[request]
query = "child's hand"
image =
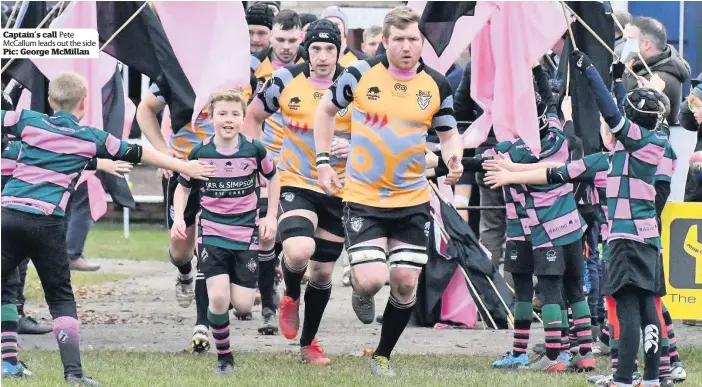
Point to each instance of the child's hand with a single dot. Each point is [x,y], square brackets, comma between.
[116,168]
[498,178]
[201,171]
[178,229]
[498,164]
[268,228]
[567,109]
[340,148]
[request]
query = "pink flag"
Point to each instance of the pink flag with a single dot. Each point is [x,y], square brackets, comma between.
[502,58]
[465,28]
[97,72]
[211,41]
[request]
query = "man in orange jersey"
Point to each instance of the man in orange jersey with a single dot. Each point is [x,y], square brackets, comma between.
[310,224]
[395,98]
[284,51]
[180,252]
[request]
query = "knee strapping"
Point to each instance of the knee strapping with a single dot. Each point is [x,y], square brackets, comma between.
[414,257]
[295,226]
[366,254]
[326,251]
[178,261]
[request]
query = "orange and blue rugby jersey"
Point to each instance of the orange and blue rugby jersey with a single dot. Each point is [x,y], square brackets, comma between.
[296,96]
[390,118]
[263,65]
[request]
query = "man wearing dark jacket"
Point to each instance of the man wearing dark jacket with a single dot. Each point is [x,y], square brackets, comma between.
[661,58]
[691,119]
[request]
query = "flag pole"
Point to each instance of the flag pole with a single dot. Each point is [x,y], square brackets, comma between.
[619,25]
[12,15]
[570,30]
[587,27]
[44,20]
[126,23]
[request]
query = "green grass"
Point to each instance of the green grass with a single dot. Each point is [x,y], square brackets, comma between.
[269,370]
[34,292]
[145,243]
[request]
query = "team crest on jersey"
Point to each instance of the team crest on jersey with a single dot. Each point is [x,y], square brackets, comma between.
[251,265]
[423,99]
[288,196]
[343,111]
[356,223]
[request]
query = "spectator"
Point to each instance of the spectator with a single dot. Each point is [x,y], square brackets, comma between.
[371,39]
[624,18]
[305,20]
[691,119]
[337,16]
[661,58]
[260,20]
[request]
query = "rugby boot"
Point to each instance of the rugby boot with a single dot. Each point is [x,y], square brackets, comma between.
[289,317]
[380,366]
[225,367]
[30,326]
[364,307]
[677,372]
[510,360]
[269,326]
[74,380]
[313,354]
[18,370]
[200,341]
[544,364]
[582,362]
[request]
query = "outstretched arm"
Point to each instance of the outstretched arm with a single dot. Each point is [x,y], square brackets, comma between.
[603,98]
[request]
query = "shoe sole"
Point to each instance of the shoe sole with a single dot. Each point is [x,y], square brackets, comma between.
[360,311]
[268,331]
[200,347]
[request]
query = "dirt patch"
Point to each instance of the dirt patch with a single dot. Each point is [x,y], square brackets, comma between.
[141,314]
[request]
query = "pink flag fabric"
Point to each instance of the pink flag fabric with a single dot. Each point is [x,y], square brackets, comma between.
[503,54]
[97,72]
[211,41]
[465,29]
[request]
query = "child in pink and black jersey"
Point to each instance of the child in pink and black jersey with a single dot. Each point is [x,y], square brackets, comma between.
[229,232]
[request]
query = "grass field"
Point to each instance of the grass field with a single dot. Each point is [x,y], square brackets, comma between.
[269,370]
[146,242]
[34,292]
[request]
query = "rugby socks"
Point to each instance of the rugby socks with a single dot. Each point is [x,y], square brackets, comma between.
[395,319]
[674,356]
[604,335]
[202,300]
[553,323]
[316,299]
[582,326]
[565,331]
[522,326]
[9,326]
[219,325]
[292,278]
[572,337]
[266,278]
[67,332]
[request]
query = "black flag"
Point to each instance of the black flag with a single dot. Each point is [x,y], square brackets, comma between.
[586,115]
[438,21]
[144,46]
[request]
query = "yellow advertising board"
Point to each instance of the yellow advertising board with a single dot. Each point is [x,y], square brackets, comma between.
[681,236]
